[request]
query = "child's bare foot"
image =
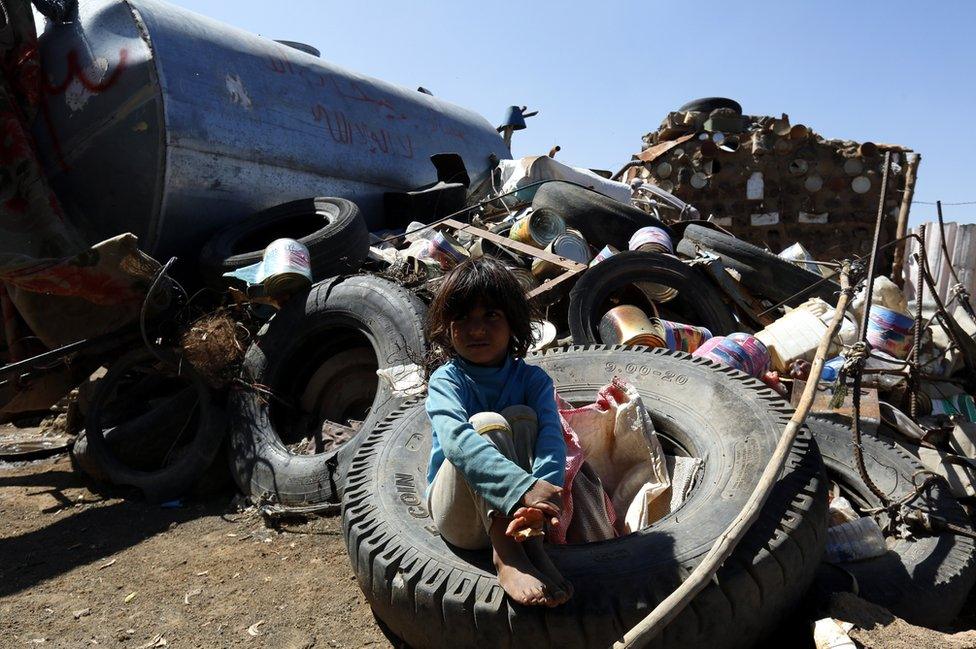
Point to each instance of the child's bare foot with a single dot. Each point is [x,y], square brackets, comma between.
[559,586]
[517,576]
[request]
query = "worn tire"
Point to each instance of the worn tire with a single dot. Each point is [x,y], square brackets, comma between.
[332,229]
[925,580]
[696,297]
[708,104]
[434,595]
[601,219]
[762,273]
[175,479]
[283,358]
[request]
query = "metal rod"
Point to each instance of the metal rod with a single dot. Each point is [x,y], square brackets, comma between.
[869,282]
[917,332]
[898,262]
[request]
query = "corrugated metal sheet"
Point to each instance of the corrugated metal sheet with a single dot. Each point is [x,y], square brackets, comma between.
[961,243]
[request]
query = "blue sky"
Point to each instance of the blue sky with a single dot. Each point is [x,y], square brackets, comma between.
[603,74]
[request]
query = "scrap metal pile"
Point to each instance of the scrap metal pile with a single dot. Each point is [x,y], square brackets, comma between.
[280,350]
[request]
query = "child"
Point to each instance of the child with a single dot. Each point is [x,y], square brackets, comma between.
[498,457]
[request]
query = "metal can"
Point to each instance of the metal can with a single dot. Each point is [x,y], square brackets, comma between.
[285,267]
[446,250]
[570,245]
[628,325]
[607,252]
[651,239]
[538,228]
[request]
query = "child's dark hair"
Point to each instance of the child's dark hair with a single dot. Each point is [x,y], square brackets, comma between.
[487,281]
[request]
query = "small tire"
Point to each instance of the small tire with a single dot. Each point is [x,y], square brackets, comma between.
[601,219]
[335,317]
[332,229]
[432,595]
[697,299]
[763,273]
[708,104]
[924,580]
[170,481]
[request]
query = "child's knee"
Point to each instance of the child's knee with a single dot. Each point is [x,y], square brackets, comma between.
[520,415]
[488,422]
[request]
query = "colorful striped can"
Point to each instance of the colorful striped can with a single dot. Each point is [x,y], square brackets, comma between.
[739,350]
[446,250]
[651,239]
[890,331]
[682,337]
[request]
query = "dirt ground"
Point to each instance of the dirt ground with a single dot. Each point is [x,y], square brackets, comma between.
[78,569]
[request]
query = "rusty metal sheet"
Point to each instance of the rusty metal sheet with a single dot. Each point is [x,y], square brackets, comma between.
[870,410]
[650,153]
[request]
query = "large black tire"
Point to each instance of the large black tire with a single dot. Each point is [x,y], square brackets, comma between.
[924,580]
[434,595]
[763,273]
[332,229]
[708,104]
[697,301]
[601,220]
[155,427]
[301,340]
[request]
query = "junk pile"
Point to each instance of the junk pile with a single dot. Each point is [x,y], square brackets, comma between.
[771,182]
[282,350]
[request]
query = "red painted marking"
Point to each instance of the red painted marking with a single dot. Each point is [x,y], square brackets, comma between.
[75,72]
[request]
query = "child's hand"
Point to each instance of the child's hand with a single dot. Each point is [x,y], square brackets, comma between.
[547,498]
[526,523]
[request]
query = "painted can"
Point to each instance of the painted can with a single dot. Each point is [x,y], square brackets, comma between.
[538,228]
[890,331]
[628,325]
[570,245]
[606,252]
[446,250]
[682,337]
[285,267]
[739,350]
[651,239]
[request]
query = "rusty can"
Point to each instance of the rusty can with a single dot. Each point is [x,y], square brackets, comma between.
[628,325]
[538,228]
[285,267]
[570,245]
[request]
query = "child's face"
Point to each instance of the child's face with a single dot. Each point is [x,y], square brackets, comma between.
[482,336]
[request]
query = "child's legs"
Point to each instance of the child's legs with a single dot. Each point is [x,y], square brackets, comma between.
[460,515]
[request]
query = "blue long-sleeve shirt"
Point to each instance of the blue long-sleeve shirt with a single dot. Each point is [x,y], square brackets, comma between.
[460,389]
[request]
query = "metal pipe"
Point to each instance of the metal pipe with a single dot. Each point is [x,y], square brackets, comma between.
[917,334]
[869,282]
